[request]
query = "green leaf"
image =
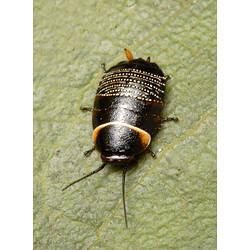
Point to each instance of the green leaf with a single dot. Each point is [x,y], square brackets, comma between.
[171,201]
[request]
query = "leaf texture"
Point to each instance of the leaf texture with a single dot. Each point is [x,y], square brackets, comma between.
[171,200]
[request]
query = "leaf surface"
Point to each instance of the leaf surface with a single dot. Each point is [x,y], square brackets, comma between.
[171,201]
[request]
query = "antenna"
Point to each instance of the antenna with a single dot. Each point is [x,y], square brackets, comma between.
[123,193]
[86,176]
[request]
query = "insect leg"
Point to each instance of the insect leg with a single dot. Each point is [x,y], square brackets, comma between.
[88,152]
[103,66]
[151,152]
[167,119]
[166,78]
[86,109]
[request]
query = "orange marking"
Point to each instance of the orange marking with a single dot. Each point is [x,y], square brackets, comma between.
[145,137]
[145,140]
[148,59]
[128,54]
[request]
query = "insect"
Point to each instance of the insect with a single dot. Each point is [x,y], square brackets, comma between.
[127,113]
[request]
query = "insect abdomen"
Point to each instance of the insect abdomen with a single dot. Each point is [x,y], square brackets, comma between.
[131,96]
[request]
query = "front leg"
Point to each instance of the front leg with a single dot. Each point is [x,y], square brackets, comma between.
[103,66]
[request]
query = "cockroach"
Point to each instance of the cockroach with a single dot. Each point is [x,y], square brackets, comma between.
[127,113]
